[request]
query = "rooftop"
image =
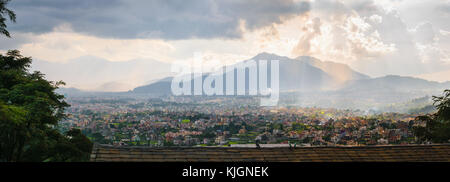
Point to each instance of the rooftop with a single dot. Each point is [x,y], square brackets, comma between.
[387,153]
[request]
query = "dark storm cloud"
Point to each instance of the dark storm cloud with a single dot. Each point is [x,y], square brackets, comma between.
[39,16]
[166,19]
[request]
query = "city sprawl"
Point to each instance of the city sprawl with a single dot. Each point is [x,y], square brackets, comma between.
[228,121]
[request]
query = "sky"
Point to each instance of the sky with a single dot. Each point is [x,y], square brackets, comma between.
[374,37]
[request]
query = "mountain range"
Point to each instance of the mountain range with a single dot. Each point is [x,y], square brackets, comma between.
[299,74]
[312,82]
[91,73]
[308,74]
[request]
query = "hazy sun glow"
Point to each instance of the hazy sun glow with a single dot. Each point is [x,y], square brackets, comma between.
[373,37]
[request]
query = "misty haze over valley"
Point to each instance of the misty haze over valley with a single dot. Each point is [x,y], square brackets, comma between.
[304,81]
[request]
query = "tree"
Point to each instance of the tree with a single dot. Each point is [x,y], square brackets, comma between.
[30,110]
[437,125]
[98,138]
[5,12]
[74,146]
[12,119]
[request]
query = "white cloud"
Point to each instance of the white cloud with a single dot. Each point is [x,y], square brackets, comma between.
[376,18]
[342,36]
[374,37]
[62,44]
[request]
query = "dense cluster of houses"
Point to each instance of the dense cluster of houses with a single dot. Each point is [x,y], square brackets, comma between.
[227,122]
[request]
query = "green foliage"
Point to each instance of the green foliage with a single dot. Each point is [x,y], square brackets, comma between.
[12,124]
[73,147]
[422,110]
[442,103]
[29,113]
[98,138]
[8,13]
[437,125]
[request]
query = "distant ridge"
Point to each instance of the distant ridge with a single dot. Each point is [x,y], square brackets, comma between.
[97,74]
[394,83]
[339,71]
[294,75]
[161,87]
[309,82]
[308,74]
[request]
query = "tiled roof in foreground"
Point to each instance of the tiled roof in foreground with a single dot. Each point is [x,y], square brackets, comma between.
[390,153]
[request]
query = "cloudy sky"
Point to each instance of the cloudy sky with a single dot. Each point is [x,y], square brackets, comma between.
[375,37]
